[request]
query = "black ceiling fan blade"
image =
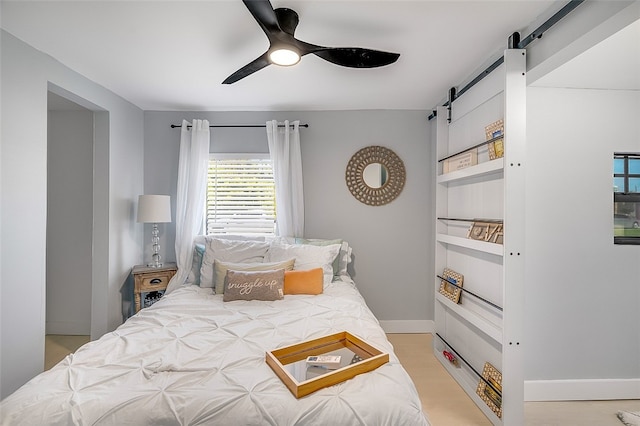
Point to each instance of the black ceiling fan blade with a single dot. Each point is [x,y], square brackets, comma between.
[250,68]
[279,26]
[356,57]
[288,20]
[263,12]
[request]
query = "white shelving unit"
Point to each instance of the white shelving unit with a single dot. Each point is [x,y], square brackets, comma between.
[471,244]
[487,324]
[482,169]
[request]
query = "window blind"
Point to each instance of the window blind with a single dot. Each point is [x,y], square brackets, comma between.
[240,197]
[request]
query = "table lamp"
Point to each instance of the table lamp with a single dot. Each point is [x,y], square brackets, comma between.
[154,209]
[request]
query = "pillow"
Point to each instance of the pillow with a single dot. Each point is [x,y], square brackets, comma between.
[221,269]
[303,282]
[232,238]
[345,258]
[229,251]
[196,264]
[342,260]
[306,256]
[253,285]
[317,242]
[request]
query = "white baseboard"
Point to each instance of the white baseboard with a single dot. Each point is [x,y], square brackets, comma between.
[581,390]
[68,328]
[408,326]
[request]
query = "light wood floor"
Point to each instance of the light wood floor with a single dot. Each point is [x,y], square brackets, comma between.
[57,346]
[445,403]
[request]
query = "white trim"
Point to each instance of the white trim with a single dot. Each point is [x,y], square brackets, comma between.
[581,390]
[71,328]
[239,156]
[513,288]
[408,326]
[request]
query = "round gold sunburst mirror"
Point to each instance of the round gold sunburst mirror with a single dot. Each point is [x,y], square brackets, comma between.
[375,175]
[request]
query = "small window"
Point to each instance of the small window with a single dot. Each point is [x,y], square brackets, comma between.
[241,196]
[626,198]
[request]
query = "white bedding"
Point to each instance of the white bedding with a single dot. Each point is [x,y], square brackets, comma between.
[192,359]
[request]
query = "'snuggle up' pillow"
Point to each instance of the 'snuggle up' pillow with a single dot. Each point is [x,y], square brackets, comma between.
[303,282]
[253,285]
[221,269]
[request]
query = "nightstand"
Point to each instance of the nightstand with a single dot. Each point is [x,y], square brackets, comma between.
[150,283]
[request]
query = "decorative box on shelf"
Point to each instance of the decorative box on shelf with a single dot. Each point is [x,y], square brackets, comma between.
[461,161]
[150,283]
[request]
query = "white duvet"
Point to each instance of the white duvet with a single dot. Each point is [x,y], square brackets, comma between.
[192,359]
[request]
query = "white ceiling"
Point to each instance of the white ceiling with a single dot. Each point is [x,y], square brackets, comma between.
[168,55]
[614,63]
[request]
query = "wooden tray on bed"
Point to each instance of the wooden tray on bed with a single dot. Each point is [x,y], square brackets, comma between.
[357,357]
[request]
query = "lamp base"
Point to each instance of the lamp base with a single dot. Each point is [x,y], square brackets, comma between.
[155,258]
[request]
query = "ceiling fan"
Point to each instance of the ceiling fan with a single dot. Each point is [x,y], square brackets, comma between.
[284,49]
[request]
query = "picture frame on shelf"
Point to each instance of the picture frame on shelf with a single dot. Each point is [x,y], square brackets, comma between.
[492,131]
[491,232]
[449,291]
[490,389]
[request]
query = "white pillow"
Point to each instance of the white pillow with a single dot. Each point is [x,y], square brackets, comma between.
[196,264]
[229,251]
[344,256]
[221,269]
[306,256]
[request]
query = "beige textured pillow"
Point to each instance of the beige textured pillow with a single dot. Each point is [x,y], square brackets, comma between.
[253,285]
[222,268]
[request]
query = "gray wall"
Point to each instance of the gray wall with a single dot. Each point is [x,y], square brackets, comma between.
[27,75]
[582,291]
[69,222]
[581,318]
[392,244]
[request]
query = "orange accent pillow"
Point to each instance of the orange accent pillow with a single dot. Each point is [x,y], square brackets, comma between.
[303,282]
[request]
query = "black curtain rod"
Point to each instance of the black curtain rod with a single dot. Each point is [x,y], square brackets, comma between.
[537,33]
[173,126]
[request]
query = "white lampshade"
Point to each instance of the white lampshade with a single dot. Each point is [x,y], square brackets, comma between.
[154,208]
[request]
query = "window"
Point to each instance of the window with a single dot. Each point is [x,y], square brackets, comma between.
[626,198]
[241,195]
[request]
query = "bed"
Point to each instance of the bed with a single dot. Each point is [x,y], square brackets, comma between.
[193,359]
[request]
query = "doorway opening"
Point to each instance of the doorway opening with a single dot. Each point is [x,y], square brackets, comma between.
[70,226]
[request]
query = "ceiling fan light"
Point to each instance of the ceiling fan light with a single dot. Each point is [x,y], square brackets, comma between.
[284,57]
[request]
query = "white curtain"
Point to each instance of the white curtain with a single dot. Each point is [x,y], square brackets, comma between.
[191,194]
[286,159]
